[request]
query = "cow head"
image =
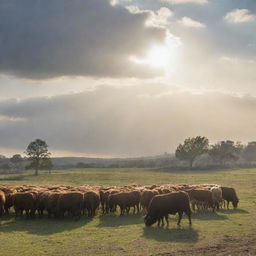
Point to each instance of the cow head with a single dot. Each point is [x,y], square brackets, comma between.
[149,220]
[235,202]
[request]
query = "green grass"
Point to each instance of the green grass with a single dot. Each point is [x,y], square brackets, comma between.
[127,235]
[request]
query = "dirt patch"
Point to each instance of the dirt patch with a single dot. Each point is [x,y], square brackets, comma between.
[229,247]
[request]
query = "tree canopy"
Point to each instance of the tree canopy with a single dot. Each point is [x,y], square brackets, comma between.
[38,154]
[191,149]
[225,151]
[249,152]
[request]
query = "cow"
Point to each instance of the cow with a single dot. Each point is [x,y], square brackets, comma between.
[24,201]
[51,203]
[202,198]
[104,198]
[146,197]
[2,202]
[162,205]
[71,202]
[135,200]
[42,201]
[124,200]
[229,194]
[8,202]
[91,203]
[216,196]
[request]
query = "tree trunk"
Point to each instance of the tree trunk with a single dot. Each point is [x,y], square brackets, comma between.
[191,164]
[37,165]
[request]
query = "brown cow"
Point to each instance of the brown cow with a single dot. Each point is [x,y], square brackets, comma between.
[91,203]
[2,202]
[71,202]
[124,200]
[42,201]
[51,203]
[162,205]
[201,198]
[104,198]
[146,197]
[24,201]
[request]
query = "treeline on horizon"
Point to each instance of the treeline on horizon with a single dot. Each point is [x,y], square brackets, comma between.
[193,153]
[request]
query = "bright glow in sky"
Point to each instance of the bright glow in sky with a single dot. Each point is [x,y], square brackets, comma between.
[157,56]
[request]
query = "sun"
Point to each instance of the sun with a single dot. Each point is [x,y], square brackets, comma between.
[158,56]
[165,56]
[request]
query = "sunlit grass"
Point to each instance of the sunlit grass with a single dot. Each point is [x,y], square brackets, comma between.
[127,235]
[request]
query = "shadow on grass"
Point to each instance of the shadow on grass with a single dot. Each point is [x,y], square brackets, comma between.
[40,226]
[208,215]
[231,211]
[112,220]
[186,234]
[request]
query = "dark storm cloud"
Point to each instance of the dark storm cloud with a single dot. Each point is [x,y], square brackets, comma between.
[125,121]
[50,38]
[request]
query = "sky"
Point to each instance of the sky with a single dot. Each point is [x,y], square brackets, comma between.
[125,78]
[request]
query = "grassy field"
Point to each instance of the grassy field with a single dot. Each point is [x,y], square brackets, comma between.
[211,233]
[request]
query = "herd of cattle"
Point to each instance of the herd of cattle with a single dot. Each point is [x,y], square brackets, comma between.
[156,202]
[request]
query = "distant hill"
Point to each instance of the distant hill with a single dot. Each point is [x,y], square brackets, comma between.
[111,162]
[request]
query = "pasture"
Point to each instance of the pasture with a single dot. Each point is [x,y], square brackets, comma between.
[222,233]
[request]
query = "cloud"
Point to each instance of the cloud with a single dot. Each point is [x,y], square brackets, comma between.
[126,121]
[239,16]
[188,22]
[44,39]
[160,18]
[185,1]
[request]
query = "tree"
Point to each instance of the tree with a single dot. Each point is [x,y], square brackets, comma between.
[225,151]
[16,160]
[191,149]
[47,165]
[38,154]
[249,152]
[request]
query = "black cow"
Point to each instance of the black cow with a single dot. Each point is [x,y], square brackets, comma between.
[162,205]
[229,194]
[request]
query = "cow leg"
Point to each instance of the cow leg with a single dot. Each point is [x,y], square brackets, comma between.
[189,217]
[158,222]
[121,210]
[16,211]
[180,217]
[227,204]
[27,213]
[138,208]
[193,206]
[167,220]
[162,219]
[6,210]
